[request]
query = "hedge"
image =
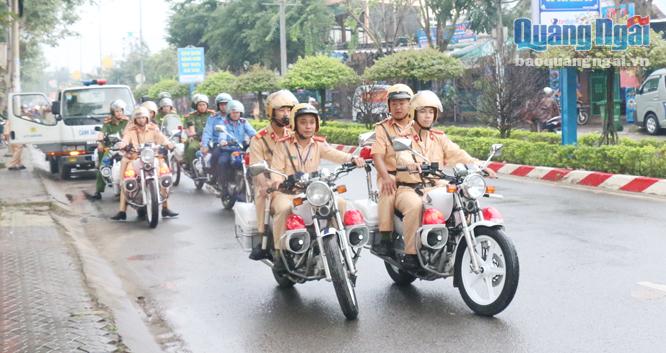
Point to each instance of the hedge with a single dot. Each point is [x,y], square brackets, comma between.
[645,157]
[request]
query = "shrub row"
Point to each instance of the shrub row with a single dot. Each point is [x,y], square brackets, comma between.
[645,158]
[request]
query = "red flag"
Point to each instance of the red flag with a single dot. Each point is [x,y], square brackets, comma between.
[638,20]
[644,20]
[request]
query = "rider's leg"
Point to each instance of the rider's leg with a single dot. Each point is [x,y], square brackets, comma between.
[409,203]
[122,206]
[385,208]
[281,205]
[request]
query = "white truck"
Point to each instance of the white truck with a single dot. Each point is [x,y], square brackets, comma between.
[65,129]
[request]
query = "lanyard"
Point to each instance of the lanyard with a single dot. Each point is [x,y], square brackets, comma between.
[307,155]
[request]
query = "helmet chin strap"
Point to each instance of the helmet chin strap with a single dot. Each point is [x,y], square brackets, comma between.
[421,126]
[282,122]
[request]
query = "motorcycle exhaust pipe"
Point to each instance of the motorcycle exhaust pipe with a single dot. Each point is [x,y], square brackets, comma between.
[358,235]
[434,237]
[296,241]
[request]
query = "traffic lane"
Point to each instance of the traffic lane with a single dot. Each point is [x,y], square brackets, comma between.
[218,300]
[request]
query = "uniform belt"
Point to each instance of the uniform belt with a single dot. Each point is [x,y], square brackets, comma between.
[392,172]
[410,185]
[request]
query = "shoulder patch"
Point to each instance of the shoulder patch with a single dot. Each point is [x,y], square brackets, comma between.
[438,132]
[261,133]
[211,111]
[383,121]
[319,138]
[284,139]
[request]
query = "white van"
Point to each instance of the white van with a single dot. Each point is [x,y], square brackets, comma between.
[651,102]
[65,129]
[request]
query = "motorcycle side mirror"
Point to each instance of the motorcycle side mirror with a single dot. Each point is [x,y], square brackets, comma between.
[402,144]
[98,128]
[220,128]
[366,138]
[258,168]
[496,149]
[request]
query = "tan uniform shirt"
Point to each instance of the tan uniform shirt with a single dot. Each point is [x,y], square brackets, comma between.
[264,145]
[383,143]
[151,134]
[306,160]
[437,147]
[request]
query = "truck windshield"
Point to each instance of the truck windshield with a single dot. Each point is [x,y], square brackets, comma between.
[93,101]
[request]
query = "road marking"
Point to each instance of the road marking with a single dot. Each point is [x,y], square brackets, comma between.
[659,287]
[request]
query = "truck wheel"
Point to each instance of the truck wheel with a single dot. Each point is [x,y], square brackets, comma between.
[53,165]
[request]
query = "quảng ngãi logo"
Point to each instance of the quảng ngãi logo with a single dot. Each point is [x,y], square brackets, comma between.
[538,37]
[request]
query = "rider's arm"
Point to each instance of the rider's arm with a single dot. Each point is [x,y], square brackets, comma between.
[379,149]
[249,130]
[280,164]
[331,154]
[207,133]
[454,154]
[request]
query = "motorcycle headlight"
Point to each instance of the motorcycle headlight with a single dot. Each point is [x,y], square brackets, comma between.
[318,194]
[147,155]
[474,186]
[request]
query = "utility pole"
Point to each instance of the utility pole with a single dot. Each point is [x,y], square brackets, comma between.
[283,33]
[143,77]
[15,49]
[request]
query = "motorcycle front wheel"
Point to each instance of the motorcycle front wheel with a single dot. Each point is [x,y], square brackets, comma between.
[343,284]
[152,206]
[490,291]
[583,118]
[282,280]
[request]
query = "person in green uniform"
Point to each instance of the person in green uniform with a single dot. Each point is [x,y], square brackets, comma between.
[115,124]
[194,126]
[166,107]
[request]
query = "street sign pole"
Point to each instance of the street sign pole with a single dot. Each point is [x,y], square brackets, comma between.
[568,106]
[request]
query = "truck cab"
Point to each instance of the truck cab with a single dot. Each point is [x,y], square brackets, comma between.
[64,129]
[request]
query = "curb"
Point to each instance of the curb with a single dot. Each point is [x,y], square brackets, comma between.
[608,181]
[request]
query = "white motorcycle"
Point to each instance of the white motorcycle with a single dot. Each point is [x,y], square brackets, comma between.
[457,237]
[143,181]
[315,246]
[109,167]
[173,129]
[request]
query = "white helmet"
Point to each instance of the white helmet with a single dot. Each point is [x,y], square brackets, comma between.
[150,105]
[166,102]
[118,104]
[236,106]
[547,91]
[140,112]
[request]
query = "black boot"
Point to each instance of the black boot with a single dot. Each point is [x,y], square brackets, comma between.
[97,196]
[385,247]
[168,213]
[411,262]
[258,253]
[120,216]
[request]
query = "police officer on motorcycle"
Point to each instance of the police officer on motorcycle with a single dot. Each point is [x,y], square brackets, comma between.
[301,153]
[210,135]
[263,147]
[383,156]
[194,124]
[152,110]
[114,124]
[238,130]
[141,132]
[434,145]
[165,107]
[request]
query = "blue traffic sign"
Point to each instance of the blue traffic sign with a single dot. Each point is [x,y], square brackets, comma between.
[191,65]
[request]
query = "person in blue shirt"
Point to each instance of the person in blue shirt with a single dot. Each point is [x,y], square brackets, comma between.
[237,136]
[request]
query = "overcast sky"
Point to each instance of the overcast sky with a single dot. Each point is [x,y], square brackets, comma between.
[112,21]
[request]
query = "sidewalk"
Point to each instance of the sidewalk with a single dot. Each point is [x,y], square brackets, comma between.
[45,305]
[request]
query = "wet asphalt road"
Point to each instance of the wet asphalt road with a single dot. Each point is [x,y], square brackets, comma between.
[593,279]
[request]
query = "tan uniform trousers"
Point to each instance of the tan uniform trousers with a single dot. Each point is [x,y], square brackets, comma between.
[281,207]
[260,204]
[123,200]
[385,207]
[17,152]
[410,204]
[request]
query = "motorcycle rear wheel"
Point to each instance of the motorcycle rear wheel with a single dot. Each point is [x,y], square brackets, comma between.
[399,276]
[491,291]
[175,169]
[343,284]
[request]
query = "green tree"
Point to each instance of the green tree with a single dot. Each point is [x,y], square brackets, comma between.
[319,73]
[257,80]
[414,66]
[383,29]
[162,65]
[216,83]
[168,85]
[187,25]
[247,32]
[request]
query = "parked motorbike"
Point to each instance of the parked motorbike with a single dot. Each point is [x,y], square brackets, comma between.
[457,237]
[554,124]
[110,164]
[172,127]
[143,179]
[320,242]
